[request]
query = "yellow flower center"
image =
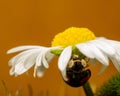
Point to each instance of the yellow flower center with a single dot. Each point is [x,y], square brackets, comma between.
[72,36]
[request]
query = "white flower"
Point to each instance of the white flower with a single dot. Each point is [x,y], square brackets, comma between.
[100,49]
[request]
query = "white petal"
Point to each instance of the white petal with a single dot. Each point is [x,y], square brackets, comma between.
[12,71]
[44,61]
[103,68]
[112,43]
[86,50]
[24,61]
[27,62]
[104,47]
[33,54]
[98,54]
[27,56]
[19,69]
[116,62]
[100,57]
[64,75]
[39,59]
[91,51]
[64,58]
[22,48]
[13,60]
[39,71]
[49,56]
[30,60]
[20,56]
[116,57]
[95,63]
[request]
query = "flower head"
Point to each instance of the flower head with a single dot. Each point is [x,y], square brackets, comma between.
[80,41]
[73,36]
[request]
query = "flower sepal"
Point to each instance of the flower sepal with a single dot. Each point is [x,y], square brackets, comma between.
[56,52]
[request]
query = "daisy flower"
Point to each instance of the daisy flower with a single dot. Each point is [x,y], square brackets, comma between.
[80,41]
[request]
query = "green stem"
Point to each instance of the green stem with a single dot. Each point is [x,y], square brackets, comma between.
[87,89]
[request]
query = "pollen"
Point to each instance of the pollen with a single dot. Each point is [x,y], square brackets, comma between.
[73,36]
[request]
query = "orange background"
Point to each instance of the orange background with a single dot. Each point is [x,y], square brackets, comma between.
[35,22]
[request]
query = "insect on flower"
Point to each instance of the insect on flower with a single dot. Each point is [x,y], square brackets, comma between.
[76,72]
[79,41]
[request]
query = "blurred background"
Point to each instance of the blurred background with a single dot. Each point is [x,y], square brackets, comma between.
[35,22]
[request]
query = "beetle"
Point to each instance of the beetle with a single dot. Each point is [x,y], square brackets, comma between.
[77,73]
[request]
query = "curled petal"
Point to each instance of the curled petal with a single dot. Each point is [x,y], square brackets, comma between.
[21,56]
[44,61]
[12,71]
[39,71]
[32,55]
[39,59]
[49,56]
[45,57]
[64,75]
[19,69]
[26,62]
[64,58]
